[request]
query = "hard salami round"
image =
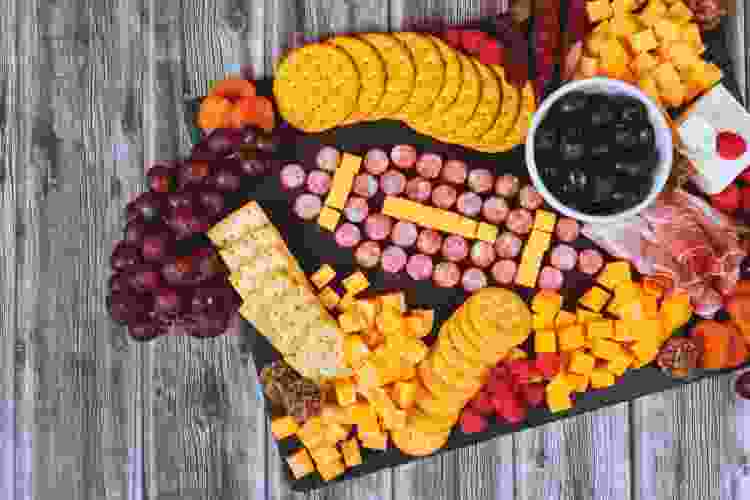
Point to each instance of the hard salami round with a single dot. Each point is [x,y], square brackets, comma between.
[292,176]
[348,235]
[507,185]
[529,198]
[404,234]
[481,180]
[328,158]
[319,182]
[393,183]
[590,261]
[446,275]
[393,259]
[563,257]
[419,189]
[404,156]
[473,279]
[567,229]
[376,161]
[378,226]
[455,248]
[454,171]
[482,254]
[504,271]
[495,209]
[356,209]
[365,185]
[429,241]
[307,206]
[368,254]
[508,245]
[419,267]
[519,221]
[550,278]
[444,196]
[469,204]
[429,165]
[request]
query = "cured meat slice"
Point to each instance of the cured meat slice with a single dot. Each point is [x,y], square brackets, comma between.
[446,274]
[419,189]
[419,267]
[519,221]
[508,245]
[393,183]
[481,180]
[529,198]
[455,248]
[567,229]
[319,182]
[590,261]
[469,204]
[378,226]
[365,185]
[454,171]
[473,279]
[404,234]
[368,254]
[376,161]
[482,254]
[348,235]
[507,185]
[495,209]
[292,176]
[404,156]
[504,271]
[563,257]
[328,158]
[393,259]
[429,165]
[444,196]
[356,209]
[307,206]
[550,278]
[429,241]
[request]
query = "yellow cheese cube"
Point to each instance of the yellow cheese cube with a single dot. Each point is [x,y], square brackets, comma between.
[431,217]
[395,300]
[361,413]
[312,432]
[351,452]
[300,463]
[594,299]
[404,394]
[283,427]
[395,420]
[336,432]
[561,382]
[650,306]
[345,392]
[355,350]
[623,332]
[627,291]
[347,302]
[487,232]
[374,440]
[666,31]
[619,365]
[624,24]
[558,401]
[645,350]
[598,10]
[683,55]
[691,34]
[581,382]
[389,321]
[369,308]
[414,350]
[571,338]
[584,316]
[600,329]
[343,179]
[527,274]
[545,341]
[680,13]
[565,318]
[351,322]
[623,6]
[641,66]
[355,283]
[332,470]
[601,378]
[547,302]
[653,13]
[334,414]
[368,375]
[651,329]
[372,337]
[606,349]
[328,218]
[581,363]
[420,322]
[329,298]
[642,41]
[542,321]
[538,243]
[544,221]
[323,276]
[325,455]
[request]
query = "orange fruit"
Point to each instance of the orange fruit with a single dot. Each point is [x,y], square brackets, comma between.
[233,88]
[255,110]
[214,112]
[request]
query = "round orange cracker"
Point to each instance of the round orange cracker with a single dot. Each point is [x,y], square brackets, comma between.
[437,386]
[462,109]
[451,375]
[414,442]
[487,110]
[452,355]
[499,315]
[462,344]
[490,349]
[400,73]
[429,424]
[517,133]
[371,69]
[509,110]
[440,407]
[430,75]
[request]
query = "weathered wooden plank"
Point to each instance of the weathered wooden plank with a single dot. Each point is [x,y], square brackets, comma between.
[737,28]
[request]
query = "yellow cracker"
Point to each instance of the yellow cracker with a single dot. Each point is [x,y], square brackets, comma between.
[509,111]
[371,69]
[517,133]
[463,108]
[412,441]
[400,77]
[487,110]
[430,75]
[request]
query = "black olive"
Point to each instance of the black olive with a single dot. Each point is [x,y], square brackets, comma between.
[629,168]
[546,139]
[572,103]
[576,182]
[600,150]
[645,136]
[602,188]
[633,111]
[625,138]
[550,175]
[571,151]
[602,114]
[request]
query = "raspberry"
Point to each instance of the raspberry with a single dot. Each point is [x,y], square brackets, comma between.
[730,145]
[533,394]
[499,388]
[548,363]
[472,422]
[513,410]
[491,52]
[522,370]
[453,38]
[482,404]
[472,40]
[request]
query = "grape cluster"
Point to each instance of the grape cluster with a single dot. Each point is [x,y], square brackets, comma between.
[167,275]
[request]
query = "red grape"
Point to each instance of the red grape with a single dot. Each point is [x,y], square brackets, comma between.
[145,331]
[205,326]
[194,172]
[214,300]
[249,134]
[186,223]
[178,271]
[167,301]
[209,264]
[145,278]
[128,307]
[742,385]
[224,141]
[268,143]
[125,256]
[212,202]
[118,283]
[180,199]
[160,179]
[225,180]
[134,231]
[147,206]
[253,163]
[156,247]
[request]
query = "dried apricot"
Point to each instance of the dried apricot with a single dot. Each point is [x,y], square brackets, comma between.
[214,112]
[716,338]
[738,351]
[233,88]
[265,117]
[742,288]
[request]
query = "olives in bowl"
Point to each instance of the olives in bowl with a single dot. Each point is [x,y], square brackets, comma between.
[599,150]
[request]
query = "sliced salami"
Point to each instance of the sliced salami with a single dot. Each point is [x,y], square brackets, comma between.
[429,241]
[419,189]
[348,235]
[473,279]
[507,185]
[404,234]
[365,185]
[508,245]
[504,271]
[590,261]
[529,198]
[481,180]
[292,176]
[495,209]
[519,221]
[444,196]
[404,156]
[469,204]
[356,209]
[393,259]
[368,254]
[455,248]
[307,206]
[482,254]
[376,161]
[319,182]
[393,183]
[378,226]
[563,257]
[419,267]
[454,171]
[567,229]
[429,165]
[446,275]
[550,278]
[328,158]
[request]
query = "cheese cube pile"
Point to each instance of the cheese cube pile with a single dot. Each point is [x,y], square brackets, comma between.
[658,48]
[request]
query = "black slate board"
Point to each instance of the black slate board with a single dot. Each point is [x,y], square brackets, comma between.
[313,246]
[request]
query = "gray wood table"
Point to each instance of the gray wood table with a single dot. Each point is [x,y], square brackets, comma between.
[90,93]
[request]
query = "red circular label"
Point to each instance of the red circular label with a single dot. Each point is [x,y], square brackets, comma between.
[730,145]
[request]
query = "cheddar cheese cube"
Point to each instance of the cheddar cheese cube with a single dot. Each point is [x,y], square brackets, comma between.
[347,302]
[624,24]
[645,350]
[581,363]
[329,218]
[323,276]
[351,452]
[374,440]
[619,365]
[557,402]
[683,55]
[369,309]
[584,316]
[594,299]
[545,341]
[367,374]
[283,427]
[329,298]
[680,13]
[389,321]
[405,394]
[666,31]
[345,392]
[487,232]
[414,350]
[395,300]
[650,306]
[351,322]
[598,10]
[623,332]
[419,322]
[312,432]
[372,337]
[395,420]
[580,382]
[544,221]
[653,13]
[324,455]
[625,291]
[601,378]
[542,321]
[334,414]
[331,470]
[606,349]
[355,283]
[336,432]
[571,338]
[600,329]
[361,412]
[641,66]
[565,318]
[343,180]
[431,217]
[547,302]
[300,463]
[651,329]
[691,33]
[642,41]
[355,351]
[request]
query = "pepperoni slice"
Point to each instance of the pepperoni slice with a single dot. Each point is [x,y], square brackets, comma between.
[429,165]
[429,241]
[507,185]
[393,259]
[328,158]
[519,221]
[365,185]
[376,161]
[473,279]
[455,248]
[319,182]
[482,254]
[567,229]
[419,267]
[454,171]
[307,206]
[495,209]
[446,275]
[590,261]
[404,156]
[368,254]
[508,245]
[378,226]
[481,180]
[469,204]
[404,234]
[419,189]
[292,176]
[563,257]
[550,278]
[393,183]
[348,235]
[529,198]
[444,196]
[504,271]
[356,209]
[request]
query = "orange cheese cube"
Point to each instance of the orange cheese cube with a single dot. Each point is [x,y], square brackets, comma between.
[581,363]
[355,350]
[323,276]
[345,392]
[544,221]
[331,470]
[680,13]
[368,375]
[558,394]
[653,13]
[652,287]
[351,452]
[328,218]
[372,337]
[395,300]
[336,432]
[600,329]
[420,322]
[651,329]
[601,379]
[624,24]
[598,10]
[645,350]
[642,65]
[619,365]
[361,412]
[414,350]
[561,382]
[343,179]
[623,332]
[312,432]
[389,321]
[626,291]
[487,232]
[325,455]
[691,33]
[355,283]
[542,321]
[594,299]
[347,303]
[666,31]
[545,341]
[329,298]
[374,440]
[334,414]
[588,66]
[571,338]
[596,43]
[547,302]
[395,420]
[606,349]
[650,306]
[283,427]
[431,217]
[642,41]
[580,382]
[584,316]
[368,308]
[300,463]
[405,394]
[565,318]
[352,321]
[517,353]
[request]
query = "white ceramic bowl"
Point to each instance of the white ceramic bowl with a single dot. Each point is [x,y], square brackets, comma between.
[608,86]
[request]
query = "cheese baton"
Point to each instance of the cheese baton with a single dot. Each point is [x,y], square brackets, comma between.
[531,258]
[430,217]
[343,180]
